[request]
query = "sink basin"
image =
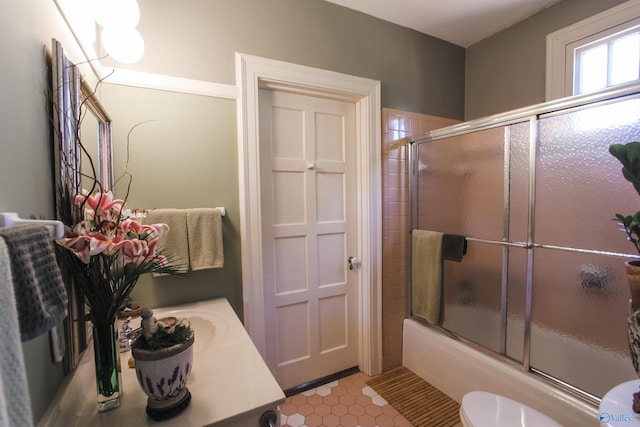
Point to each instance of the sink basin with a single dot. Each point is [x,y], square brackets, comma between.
[208,327]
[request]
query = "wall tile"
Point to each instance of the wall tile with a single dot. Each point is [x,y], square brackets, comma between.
[395,223]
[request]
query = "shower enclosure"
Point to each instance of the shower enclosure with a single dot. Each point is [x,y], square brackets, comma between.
[535,192]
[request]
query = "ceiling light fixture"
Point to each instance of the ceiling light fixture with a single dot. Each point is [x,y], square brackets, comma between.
[119,19]
[123,44]
[117,13]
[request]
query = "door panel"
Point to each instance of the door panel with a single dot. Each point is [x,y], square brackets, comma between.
[307,154]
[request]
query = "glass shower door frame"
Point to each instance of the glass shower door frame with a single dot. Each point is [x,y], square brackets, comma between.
[532,115]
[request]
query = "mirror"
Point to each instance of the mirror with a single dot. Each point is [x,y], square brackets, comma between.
[82,154]
[95,134]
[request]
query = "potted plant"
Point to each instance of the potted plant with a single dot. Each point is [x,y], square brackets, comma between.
[629,155]
[163,355]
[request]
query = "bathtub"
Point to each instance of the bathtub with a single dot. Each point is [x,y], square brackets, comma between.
[456,368]
[576,361]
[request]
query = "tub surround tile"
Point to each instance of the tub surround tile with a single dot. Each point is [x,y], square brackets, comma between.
[395,223]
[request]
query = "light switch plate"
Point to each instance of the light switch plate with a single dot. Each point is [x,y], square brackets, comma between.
[56,337]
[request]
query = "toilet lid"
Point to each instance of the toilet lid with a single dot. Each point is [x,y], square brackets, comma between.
[484,409]
[616,406]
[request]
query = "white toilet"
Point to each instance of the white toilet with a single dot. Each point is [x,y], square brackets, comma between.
[482,409]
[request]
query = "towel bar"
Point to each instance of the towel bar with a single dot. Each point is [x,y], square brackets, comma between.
[8,219]
[141,213]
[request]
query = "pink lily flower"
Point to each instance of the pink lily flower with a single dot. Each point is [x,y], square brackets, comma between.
[107,229]
[78,245]
[135,252]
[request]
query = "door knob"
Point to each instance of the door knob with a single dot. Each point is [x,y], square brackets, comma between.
[353,262]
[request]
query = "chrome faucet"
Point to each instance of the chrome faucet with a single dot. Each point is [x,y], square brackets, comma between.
[127,335]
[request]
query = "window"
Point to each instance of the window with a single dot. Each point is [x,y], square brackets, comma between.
[595,53]
[607,62]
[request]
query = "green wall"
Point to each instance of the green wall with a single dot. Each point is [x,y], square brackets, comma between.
[26,28]
[183,155]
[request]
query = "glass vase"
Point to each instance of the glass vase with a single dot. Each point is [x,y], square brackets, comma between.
[107,364]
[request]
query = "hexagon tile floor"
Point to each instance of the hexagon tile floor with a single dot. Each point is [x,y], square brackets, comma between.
[348,402]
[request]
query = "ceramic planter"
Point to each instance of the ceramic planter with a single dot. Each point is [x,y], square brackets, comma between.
[162,375]
[633,278]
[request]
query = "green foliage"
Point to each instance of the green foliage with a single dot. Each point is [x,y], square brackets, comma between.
[163,339]
[631,226]
[629,156]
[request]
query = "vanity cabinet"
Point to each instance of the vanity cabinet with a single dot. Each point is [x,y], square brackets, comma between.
[230,383]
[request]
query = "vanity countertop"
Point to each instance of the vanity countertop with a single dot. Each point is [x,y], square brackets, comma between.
[229,381]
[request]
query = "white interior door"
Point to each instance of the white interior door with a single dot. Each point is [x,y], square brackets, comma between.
[308,193]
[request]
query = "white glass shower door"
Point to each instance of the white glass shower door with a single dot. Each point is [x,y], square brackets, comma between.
[543,281]
[580,294]
[465,189]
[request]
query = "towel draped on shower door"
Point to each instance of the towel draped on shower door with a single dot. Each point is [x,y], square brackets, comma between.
[426,274]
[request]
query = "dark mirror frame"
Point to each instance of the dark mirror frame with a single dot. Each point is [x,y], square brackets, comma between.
[72,101]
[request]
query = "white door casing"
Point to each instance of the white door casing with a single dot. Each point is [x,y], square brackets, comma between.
[307,147]
[254,73]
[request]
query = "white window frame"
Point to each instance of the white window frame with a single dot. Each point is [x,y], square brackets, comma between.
[603,39]
[560,44]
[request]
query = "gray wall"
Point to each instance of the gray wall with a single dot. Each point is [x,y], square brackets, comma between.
[507,70]
[198,39]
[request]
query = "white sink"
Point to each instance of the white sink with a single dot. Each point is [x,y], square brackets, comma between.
[208,327]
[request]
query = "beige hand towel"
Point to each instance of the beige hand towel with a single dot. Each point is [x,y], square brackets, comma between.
[205,238]
[174,243]
[426,274]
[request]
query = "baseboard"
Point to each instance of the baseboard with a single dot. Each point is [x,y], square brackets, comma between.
[320,381]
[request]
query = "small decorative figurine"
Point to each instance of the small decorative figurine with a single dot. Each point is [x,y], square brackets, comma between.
[149,323]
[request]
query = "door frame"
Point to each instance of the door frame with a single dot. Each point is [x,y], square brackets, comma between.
[254,73]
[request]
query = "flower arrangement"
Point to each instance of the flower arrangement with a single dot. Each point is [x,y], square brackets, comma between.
[107,251]
[629,155]
[104,251]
